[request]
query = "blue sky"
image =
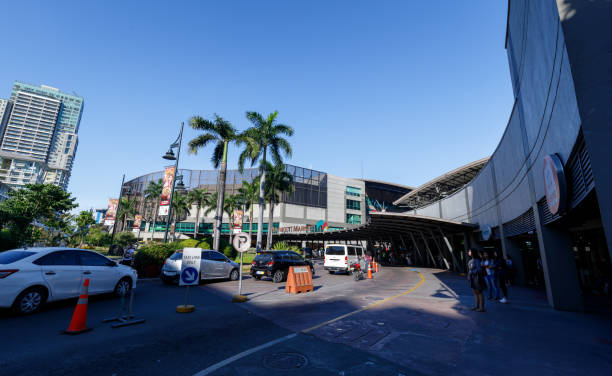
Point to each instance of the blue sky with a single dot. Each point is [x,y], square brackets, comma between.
[408,89]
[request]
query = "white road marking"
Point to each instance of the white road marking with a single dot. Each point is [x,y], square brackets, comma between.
[214,367]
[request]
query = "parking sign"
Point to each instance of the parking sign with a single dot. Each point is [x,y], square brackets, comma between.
[190,267]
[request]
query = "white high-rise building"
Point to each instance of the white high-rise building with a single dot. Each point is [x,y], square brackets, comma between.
[39,141]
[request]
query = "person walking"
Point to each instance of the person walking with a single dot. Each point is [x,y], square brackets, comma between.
[475,277]
[489,265]
[502,274]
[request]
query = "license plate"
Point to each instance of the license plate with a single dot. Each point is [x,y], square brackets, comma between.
[259,272]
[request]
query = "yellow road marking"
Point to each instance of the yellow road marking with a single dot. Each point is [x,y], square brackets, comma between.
[369,306]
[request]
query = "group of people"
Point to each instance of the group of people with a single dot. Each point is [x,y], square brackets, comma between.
[489,272]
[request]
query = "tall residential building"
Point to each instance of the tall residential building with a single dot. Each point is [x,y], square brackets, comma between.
[40,136]
[5,108]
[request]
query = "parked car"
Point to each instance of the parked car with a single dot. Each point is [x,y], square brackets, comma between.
[275,264]
[31,277]
[338,257]
[213,265]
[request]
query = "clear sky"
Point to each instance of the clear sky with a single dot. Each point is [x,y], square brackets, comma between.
[406,89]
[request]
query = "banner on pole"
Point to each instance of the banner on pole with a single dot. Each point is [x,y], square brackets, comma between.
[111,212]
[164,202]
[237,223]
[137,221]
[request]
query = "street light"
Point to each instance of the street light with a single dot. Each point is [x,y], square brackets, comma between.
[170,156]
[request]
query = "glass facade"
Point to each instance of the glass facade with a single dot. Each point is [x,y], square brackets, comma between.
[353,204]
[352,191]
[353,219]
[310,187]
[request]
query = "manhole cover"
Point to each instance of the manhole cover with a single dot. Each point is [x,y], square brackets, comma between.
[285,361]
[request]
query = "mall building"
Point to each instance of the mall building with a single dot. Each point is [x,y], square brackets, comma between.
[320,202]
[544,197]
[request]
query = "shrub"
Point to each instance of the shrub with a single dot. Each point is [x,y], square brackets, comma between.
[8,239]
[195,243]
[125,238]
[284,246]
[150,258]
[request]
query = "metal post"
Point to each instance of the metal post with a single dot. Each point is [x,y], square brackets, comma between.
[240,281]
[450,249]
[439,249]
[117,213]
[433,260]
[187,296]
[423,260]
[178,155]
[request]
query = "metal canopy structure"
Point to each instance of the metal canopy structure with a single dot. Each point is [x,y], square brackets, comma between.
[442,186]
[384,226]
[423,236]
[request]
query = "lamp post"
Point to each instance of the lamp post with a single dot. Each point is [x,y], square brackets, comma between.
[170,156]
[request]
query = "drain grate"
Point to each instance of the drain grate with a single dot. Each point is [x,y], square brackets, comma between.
[285,361]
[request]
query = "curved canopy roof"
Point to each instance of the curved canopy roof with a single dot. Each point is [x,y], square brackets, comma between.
[442,186]
[385,225]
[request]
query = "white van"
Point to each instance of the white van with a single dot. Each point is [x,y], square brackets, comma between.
[338,257]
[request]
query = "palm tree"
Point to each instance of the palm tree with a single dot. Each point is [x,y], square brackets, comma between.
[153,194]
[223,133]
[200,197]
[266,135]
[128,209]
[279,181]
[180,206]
[250,192]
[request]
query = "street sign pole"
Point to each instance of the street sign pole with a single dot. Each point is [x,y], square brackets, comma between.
[190,275]
[241,243]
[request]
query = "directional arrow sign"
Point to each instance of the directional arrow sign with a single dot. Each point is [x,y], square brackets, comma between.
[190,266]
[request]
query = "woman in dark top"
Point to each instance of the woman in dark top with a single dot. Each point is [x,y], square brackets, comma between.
[476,279]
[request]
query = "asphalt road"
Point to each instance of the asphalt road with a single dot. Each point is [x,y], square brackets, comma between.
[169,343]
[403,322]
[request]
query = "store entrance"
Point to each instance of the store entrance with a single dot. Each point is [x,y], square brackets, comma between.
[592,262]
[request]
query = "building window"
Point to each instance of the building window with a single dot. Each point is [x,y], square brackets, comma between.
[353,219]
[353,204]
[352,191]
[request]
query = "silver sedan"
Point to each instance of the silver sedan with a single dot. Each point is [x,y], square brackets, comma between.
[214,265]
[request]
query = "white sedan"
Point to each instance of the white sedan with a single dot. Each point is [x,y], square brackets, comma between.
[30,277]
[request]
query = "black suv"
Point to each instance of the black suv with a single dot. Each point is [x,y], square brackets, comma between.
[275,264]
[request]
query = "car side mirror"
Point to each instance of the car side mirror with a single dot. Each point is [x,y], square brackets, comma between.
[112,263]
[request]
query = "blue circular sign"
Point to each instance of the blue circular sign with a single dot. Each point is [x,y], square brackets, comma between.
[189,275]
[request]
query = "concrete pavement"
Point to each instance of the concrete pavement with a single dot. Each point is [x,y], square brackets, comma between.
[429,330]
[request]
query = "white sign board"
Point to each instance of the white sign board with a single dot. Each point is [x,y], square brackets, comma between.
[241,242]
[190,267]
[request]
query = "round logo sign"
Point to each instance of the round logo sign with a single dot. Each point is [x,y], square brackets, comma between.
[241,242]
[486,232]
[554,184]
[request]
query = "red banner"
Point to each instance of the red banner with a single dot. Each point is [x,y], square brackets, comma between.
[111,212]
[164,203]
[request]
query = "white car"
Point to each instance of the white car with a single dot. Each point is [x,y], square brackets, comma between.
[339,257]
[30,277]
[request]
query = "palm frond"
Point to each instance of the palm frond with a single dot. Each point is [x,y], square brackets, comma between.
[200,142]
[217,155]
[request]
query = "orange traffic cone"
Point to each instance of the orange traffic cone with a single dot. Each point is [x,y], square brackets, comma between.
[375,267]
[78,324]
[369,270]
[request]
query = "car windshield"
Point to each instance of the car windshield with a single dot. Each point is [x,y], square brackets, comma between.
[334,250]
[177,256]
[9,257]
[263,257]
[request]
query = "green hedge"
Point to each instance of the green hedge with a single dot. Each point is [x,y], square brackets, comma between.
[150,258]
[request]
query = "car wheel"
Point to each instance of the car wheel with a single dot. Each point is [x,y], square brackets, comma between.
[234,275]
[278,276]
[257,277]
[30,300]
[331,271]
[123,287]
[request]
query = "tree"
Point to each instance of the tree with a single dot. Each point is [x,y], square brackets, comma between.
[279,181]
[83,221]
[180,207]
[250,193]
[221,132]
[35,206]
[153,194]
[266,135]
[127,209]
[200,197]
